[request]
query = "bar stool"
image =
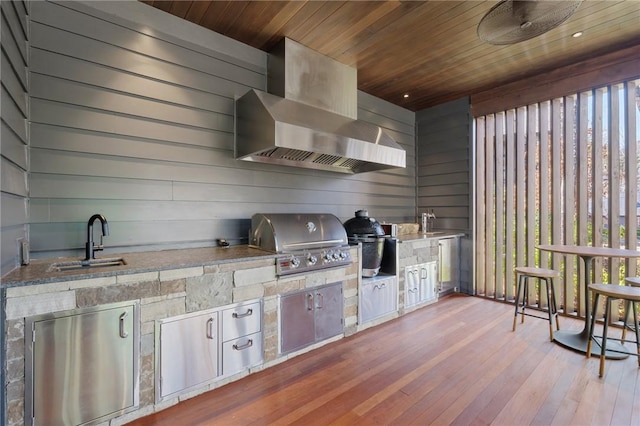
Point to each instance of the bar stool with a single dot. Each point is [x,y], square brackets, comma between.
[612,292]
[630,307]
[546,276]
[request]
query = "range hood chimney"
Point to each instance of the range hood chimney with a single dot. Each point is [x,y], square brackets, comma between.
[309,117]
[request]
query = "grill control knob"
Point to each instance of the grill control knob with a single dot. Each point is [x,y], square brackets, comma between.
[295,262]
[312,260]
[328,256]
[343,255]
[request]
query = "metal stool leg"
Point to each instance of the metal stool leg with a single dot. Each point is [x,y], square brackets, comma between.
[555,305]
[636,322]
[592,320]
[627,305]
[549,307]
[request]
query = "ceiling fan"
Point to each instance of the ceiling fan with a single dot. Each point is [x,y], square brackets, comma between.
[513,21]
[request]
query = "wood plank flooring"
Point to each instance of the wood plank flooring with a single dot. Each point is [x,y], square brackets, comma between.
[456,362]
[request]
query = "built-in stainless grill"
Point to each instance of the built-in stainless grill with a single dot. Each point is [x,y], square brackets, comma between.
[303,242]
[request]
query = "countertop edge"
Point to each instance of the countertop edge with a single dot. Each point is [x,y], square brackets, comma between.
[37,272]
[430,236]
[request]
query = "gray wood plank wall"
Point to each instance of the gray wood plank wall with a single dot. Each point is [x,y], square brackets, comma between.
[132,116]
[443,170]
[444,173]
[13,132]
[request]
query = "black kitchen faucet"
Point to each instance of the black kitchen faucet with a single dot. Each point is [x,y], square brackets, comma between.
[90,247]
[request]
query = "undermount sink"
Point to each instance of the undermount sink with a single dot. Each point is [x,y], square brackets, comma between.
[87,264]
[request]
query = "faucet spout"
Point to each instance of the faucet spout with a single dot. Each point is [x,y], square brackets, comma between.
[90,246]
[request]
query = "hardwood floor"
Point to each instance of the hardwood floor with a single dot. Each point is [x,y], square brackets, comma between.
[456,362]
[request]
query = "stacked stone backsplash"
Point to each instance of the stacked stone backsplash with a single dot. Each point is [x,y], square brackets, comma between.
[165,294]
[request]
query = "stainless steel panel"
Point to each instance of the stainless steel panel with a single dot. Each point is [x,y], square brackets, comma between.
[328,302]
[241,321]
[285,233]
[449,264]
[188,354]
[428,281]
[297,324]
[411,286]
[241,353]
[270,129]
[82,366]
[301,74]
[378,297]
[309,316]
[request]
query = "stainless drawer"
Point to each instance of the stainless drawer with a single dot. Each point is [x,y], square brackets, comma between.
[239,354]
[379,296]
[241,320]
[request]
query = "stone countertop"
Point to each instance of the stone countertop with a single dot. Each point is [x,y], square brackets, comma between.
[38,271]
[429,236]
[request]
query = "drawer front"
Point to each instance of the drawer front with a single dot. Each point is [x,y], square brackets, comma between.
[241,321]
[241,353]
[378,299]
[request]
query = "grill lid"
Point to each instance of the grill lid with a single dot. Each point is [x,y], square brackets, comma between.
[288,233]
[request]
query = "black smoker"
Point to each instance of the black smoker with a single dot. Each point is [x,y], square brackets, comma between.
[366,230]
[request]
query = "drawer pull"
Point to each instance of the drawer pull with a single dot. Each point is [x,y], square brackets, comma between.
[245,346]
[246,314]
[379,286]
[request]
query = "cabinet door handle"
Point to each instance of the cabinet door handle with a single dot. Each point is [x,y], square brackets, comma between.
[309,302]
[440,249]
[123,333]
[379,286]
[246,314]
[320,303]
[245,346]
[210,328]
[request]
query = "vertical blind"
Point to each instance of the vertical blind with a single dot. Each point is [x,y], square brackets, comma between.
[562,171]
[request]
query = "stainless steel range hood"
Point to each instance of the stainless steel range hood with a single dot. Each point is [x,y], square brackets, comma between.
[308,118]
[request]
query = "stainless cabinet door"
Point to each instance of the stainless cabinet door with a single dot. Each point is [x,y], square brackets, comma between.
[83,366]
[188,352]
[328,306]
[378,298]
[296,321]
[411,285]
[428,281]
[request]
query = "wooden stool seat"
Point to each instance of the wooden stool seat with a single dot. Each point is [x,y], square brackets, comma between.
[616,291]
[545,276]
[612,292]
[537,272]
[632,281]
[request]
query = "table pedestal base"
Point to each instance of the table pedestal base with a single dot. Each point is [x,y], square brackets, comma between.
[578,341]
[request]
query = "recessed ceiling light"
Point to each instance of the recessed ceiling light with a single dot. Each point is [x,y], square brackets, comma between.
[406,95]
[576,35]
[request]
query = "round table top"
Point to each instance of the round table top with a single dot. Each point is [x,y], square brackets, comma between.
[590,251]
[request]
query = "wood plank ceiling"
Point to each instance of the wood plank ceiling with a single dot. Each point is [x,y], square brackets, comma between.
[428,49]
